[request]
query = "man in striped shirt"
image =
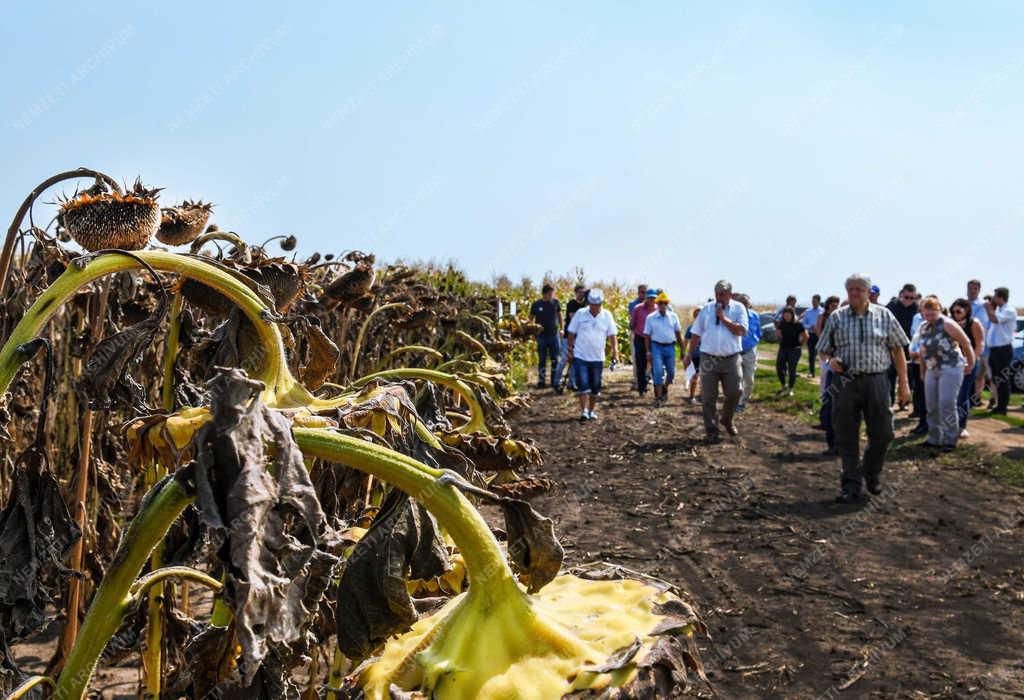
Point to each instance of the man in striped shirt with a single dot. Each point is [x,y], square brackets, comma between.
[860,341]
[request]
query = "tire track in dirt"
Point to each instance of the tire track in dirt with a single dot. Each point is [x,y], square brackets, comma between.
[916,593]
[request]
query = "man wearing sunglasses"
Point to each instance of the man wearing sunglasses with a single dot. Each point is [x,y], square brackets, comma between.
[904,308]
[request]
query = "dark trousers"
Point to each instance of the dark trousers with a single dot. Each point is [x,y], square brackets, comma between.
[855,400]
[825,412]
[963,401]
[917,392]
[812,351]
[999,361]
[640,362]
[548,350]
[786,362]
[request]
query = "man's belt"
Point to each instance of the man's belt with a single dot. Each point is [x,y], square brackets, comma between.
[857,375]
[655,342]
[718,357]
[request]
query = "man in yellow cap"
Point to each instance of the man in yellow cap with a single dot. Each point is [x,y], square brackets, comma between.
[661,334]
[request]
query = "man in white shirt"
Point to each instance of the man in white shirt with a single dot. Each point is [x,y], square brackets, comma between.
[719,329]
[661,334]
[589,330]
[1003,318]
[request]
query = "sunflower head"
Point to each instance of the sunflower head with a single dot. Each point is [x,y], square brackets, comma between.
[182,224]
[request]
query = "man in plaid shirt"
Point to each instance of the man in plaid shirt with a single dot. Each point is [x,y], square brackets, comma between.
[860,341]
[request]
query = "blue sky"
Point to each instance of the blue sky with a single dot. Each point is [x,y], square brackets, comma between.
[781,145]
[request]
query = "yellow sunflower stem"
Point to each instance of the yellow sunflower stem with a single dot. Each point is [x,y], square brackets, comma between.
[485,561]
[28,685]
[490,577]
[283,391]
[114,598]
[476,423]
[362,332]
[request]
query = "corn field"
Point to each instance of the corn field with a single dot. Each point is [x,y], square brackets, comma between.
[264,475]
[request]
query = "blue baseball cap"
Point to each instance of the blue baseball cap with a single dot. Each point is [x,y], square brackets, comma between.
[652,293]
[875,289]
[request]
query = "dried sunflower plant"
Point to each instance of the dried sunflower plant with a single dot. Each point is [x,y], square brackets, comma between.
[263,475]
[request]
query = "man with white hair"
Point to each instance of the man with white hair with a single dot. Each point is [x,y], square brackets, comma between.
[589,330]
[860,342]
[719,329]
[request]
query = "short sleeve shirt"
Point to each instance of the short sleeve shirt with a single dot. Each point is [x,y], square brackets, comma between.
[662,329]
[546,313]
[571,307]
[810,318]
[592,332]
[862,343]
[638,316]
[1000,333]
[715,338]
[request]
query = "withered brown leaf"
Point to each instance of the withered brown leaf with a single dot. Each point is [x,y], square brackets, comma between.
[373,601]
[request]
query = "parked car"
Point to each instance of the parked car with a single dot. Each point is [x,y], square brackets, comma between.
[768,332]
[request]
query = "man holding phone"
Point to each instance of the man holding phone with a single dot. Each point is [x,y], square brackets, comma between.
[860,342]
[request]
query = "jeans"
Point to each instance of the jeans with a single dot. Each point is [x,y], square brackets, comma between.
[663,363]
[728,371]
[588,376]
[640,362]
[963,400]
[999,361]
[547,350]
[786,362]
[861,399]
[748,361]
[812,350]
[941,389]
[563,360]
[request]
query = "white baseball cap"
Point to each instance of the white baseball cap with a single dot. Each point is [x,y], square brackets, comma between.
[595,296]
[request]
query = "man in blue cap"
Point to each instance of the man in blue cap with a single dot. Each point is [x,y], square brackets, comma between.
[873,294]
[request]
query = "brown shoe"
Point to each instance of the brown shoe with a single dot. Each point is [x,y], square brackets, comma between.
[731,429]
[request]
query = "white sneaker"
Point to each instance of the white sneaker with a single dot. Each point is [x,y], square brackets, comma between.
[964,433]
[593,415]
[584,414]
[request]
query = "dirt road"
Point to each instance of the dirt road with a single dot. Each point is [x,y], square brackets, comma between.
[917,593]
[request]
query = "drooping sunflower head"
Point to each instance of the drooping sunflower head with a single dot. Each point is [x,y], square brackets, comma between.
[97,219]
[353,285]
[286,281]
[182,224]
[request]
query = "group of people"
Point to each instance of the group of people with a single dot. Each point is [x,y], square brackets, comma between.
[874,360]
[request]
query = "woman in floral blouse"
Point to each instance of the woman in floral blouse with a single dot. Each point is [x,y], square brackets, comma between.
[947,357]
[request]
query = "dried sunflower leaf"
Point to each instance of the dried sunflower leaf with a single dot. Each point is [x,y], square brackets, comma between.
[430,408]
[373,600]
[105,381]
[36,530]
[532,546]
[620,659]
[323,357]
[208,667]
[272,529]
